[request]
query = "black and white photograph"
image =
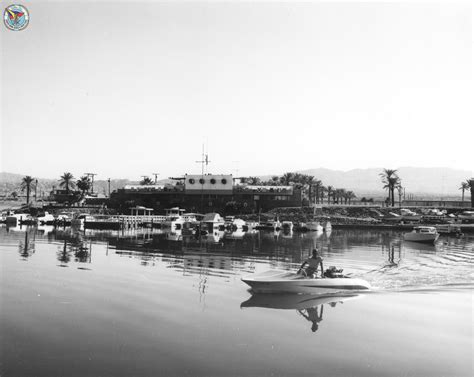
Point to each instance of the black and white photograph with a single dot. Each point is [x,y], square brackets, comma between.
[236,188]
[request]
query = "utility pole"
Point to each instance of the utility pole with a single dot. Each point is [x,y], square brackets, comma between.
[91,176]
[36,188]
[156,175]
[108,180]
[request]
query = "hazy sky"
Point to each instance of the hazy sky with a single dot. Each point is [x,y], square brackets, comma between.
[125,89]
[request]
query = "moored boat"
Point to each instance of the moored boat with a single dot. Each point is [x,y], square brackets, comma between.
[314,226]
[230,222]
[173,219]
[466,217]
[270,225]
[409,216]
[46,219]
[422,234]
[277,281]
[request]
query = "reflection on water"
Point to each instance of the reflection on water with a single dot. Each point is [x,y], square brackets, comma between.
[150,303]
[27,246]
[309,307]
[381,257]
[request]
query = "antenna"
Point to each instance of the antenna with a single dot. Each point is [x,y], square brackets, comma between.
[236,170]
[91,175]
[203,161]
[207,156]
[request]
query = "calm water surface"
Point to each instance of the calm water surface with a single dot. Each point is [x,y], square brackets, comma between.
[147,303]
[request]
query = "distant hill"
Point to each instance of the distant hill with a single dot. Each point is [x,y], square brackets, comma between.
[431,181]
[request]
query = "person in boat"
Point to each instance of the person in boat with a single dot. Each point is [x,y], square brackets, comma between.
[313,263]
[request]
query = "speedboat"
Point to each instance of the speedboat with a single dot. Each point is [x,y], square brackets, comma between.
[277,281]
[422,234]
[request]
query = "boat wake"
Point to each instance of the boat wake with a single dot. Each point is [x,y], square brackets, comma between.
[439,270]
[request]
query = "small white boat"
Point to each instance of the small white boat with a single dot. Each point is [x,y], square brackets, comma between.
[230,222]
[466,216]
[408,215]
[173,219]
[422,234]
[46,219]
[314,226]
[276,281]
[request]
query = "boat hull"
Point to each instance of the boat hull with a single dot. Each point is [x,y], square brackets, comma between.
[288,282]
[417,237]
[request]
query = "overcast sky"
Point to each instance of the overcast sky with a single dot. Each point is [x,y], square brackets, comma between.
[125,89]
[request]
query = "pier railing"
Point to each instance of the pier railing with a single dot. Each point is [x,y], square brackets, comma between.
[127,218]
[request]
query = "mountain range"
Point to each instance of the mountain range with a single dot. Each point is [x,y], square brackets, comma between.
[416,181]
[364,182]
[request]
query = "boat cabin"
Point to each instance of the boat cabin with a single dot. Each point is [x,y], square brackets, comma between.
[425,229]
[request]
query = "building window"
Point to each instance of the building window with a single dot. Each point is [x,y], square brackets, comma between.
[224,181]
[191,180]
[213,181]
[202,181]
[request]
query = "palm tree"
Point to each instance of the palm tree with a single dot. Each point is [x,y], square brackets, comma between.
[308,182]
[253,181]
[349,196]
[26,183]
[471,185]
[317,184]
[390,180]
[287,178]
[275,181]
[146,181]
[340,194]
[329,190]
[84,184]
[400,193]
[67,180]
[464,187]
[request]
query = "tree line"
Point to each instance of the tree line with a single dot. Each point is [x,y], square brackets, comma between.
[317,192]
[66,181]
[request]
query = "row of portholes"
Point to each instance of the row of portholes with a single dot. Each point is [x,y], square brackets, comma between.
[192,181]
